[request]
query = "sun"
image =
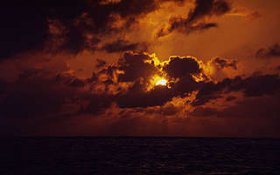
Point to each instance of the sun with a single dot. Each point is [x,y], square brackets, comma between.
[156,81]
[161,82]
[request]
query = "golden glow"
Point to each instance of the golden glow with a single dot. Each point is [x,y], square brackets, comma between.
[161,82]
[157,80]
[154,60]
[208,68]
[199,77]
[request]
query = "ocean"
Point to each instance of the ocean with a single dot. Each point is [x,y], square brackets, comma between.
[138,155]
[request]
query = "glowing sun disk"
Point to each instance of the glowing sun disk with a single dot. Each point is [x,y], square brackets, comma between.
[159,81]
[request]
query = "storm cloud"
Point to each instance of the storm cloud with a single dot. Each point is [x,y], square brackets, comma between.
[252,86]
[195,20]
[71,26]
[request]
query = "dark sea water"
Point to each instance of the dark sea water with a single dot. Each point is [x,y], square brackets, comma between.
[86,155]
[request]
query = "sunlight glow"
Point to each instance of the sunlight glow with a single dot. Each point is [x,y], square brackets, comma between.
[161,82]
[156,81]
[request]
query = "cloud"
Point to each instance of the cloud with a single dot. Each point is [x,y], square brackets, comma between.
[197,17]
[81,25]
[128,84]
[133,73]
[136,70]
[135,66]
[208,8]
[179,67]
[71,26]
[123,45]
[141,68]
[27,27]
[224,63]
[255,85]
[120,91]
[270,52]
[138,97]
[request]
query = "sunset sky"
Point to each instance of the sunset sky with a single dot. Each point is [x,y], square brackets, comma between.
[140,68]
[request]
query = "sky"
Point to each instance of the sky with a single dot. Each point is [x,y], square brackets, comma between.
[194,68]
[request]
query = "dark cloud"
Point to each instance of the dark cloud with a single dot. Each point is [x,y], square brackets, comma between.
[260,85]
[24,23]
[195,20]
[255,85]
[270,52]
[39,97]
[126,85]
[208,92]
[201,27]
[182,70]
[123,45]
[224,63]
[85,30]
[38,94]
[179,24]
[208,8]
[134,66]
[73,25]
[138,97]
[137,69]
[185,85]
[179,67]
[129,80]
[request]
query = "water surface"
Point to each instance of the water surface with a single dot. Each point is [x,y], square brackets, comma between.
[128,155]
